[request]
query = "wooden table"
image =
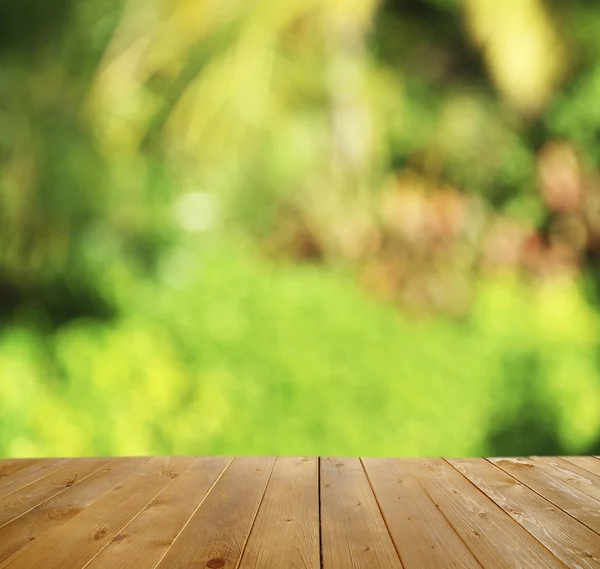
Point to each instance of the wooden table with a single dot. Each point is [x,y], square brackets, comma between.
[264,512]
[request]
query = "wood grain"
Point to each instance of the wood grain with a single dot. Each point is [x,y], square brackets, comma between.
[286,531]
[300,513]
[24,532]
[30,474]
[421,533]
[490,534]
[571,542]
[567,497]
[570,474]
[10,466]
[216,535]
[16,504]
[144,541]
[353,531]
[588,463]
[78,540]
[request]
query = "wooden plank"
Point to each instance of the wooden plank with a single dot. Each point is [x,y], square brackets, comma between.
[286,530]
[588,463]
[569,498]
[17,503]
[144,541]
[353,531]
[24,532]
[81,538]
[216,535]
[10,466]
[570,474]
[422,535]
[493,537]
[571,542]
[31,474]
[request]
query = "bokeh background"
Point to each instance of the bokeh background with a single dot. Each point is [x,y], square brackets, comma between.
[299,227]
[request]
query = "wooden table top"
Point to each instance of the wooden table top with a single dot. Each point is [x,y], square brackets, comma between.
[305,513]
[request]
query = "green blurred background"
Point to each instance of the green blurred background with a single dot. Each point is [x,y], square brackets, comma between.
[343,227]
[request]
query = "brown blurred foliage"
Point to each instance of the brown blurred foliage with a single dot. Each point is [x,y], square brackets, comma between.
[425,243]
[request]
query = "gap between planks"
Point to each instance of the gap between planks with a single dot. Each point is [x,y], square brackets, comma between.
[541,479]
[568,540]
[381,511]
[190,518]
[529,486]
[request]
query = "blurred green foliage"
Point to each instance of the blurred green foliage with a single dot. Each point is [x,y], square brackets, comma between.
[232,354]
[151,153]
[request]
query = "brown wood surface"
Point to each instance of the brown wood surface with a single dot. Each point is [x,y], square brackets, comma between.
[573,543]
[286,531]
[8,467]
[490,533]
[588,463]
[22,533]
[354,533]
[29,475]
[300,513]
[216,535]
[420,531]
[146,539]
[566,496]
[570,474]
[82,537]
[18,503]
